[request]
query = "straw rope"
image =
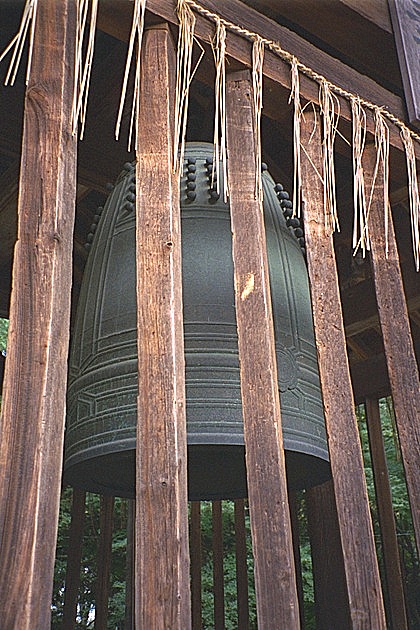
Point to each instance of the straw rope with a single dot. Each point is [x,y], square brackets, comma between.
[329,106]
[288,57]
[329,92]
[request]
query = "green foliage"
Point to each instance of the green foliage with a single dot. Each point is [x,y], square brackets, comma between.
[229,568]
[402,513]
[117,588]
[4,327]
[88,573]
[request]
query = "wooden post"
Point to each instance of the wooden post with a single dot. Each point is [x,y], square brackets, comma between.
[241,565]
[162,558]
[277,605]
[196,561]
[363,581]
[399,351]
[391,555]
[218,577]
[106,520]
[33,406]
[330,587]
[74,557]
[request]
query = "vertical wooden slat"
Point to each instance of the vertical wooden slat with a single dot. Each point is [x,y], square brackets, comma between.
[241,565]
[106,520]
[393,316]
[196,560]
[74,557]
[129,582]
[218,581]
[330,586]
[363,582]
[162,557]
[277,605]
[294,519]
[33,406]
[391,556]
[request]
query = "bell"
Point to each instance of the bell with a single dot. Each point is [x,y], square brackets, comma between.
[102,389]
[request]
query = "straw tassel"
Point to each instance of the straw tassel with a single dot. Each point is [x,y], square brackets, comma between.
[330,111]
[413,192]
[82,70]
[257,83]
[360,224]
[17,44]
[220,152]
[382,151]
[136,34]
[297,112]
[184,74]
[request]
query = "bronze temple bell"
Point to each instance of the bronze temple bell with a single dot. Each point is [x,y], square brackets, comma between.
[102,390]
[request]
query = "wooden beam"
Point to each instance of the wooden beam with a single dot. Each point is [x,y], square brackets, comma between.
[376,11]
[106,521]
[74,558]
[279,71]
[370,378]
[330,586]
[33,406]
[362,574]
[399,350]
[277,604]
[162,559]
[397,617]
[405,15]
[218,576]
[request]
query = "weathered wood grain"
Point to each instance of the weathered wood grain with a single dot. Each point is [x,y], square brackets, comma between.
[162,558]
[398,617]
[33,406]
[363,582]
[277,605]
[393,316]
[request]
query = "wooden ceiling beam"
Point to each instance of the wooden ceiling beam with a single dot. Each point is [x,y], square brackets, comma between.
[279,71]
[359,303]
[375,11]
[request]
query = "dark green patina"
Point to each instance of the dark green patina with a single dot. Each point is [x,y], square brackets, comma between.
[101,420]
